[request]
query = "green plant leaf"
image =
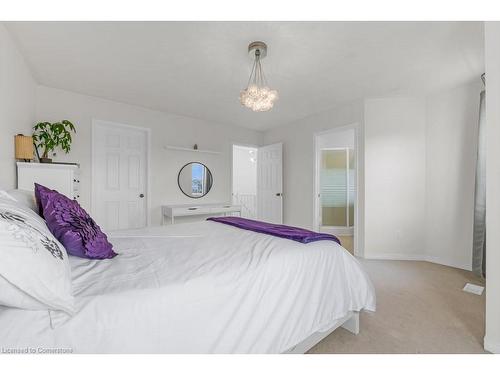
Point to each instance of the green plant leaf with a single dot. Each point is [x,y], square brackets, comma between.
[51,135]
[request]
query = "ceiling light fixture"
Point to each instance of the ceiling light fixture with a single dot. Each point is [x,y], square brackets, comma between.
[258,96]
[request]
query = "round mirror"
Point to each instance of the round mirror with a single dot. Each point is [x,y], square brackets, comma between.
[195,180]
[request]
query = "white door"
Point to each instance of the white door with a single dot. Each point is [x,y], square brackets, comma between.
[119,176]
[270,183]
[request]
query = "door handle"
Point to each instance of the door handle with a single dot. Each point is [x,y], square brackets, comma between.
[141,195]
[279,194]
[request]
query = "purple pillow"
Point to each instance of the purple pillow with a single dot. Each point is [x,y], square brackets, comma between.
[72,225]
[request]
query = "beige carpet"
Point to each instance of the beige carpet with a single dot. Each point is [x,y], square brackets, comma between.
[421,308]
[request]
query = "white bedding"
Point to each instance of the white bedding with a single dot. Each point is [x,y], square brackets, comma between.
[198,288]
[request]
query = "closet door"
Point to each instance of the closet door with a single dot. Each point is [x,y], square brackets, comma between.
[119,176]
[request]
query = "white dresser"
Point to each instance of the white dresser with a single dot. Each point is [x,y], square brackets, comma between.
[64,178]
[176,210]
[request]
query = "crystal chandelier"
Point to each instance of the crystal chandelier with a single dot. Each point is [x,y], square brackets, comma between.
[258,96]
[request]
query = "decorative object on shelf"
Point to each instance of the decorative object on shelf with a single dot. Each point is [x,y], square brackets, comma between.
[195,147]
[48,136]
[195,180]
[258,96]
[23,145]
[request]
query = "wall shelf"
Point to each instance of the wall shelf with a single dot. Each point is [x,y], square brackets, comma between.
[176,148]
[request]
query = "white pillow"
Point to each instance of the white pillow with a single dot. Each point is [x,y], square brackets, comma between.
[24,197]
[34,268]
[11,295]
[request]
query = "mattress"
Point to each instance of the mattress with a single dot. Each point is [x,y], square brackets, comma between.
[198,288]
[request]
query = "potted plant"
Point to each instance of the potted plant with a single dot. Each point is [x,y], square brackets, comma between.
[48,136]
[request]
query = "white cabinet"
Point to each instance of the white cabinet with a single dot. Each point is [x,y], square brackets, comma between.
[64,178]
[177,210]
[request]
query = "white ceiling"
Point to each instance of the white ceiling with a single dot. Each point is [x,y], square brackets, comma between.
[197,69]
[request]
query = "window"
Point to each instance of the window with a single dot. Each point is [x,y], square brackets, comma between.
[197,179]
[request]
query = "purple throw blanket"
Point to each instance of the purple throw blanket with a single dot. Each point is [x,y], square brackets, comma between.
[277,230]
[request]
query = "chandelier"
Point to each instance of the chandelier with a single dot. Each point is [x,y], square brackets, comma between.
[258,96]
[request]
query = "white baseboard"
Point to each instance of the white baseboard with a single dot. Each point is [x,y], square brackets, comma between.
[395,256]
[418,257]
[446,262]
[491,346]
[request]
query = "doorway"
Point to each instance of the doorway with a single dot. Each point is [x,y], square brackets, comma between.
[244,180]
[336,172]
[120,175]
[257,182]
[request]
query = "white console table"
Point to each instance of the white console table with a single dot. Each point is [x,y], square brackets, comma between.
[177,210]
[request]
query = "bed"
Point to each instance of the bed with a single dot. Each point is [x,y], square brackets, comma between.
[201,287]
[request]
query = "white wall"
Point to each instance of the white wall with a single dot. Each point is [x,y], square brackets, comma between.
[394,177]
[17,105]
[418,165]
[244,170]
[337,139]
[492,37]
[167,129]
[451,149]
[298,160]
[420,172]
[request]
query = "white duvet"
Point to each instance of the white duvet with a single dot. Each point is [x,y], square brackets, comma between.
[198,288]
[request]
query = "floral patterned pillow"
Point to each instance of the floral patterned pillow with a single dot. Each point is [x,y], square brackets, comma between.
[72,225]
[34,268]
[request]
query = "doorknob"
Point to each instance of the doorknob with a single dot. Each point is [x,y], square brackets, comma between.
[279,194]
[141,195]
